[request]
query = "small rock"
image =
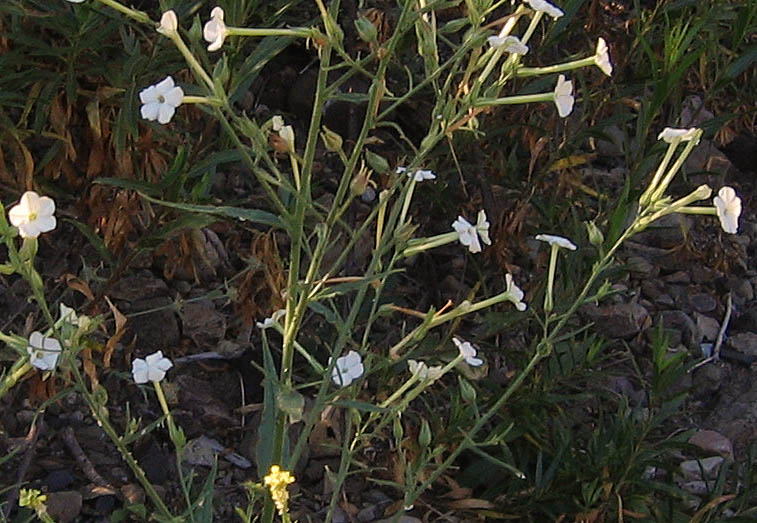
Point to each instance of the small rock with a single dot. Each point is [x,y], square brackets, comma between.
[701,274]
[402,519]
[744,342]
[713,442]
[622,320]
[679,321]
[368,514]
[201,452]
[698,488]
[680,277]
[664,300]
[707,380]
[58,480]
[701,469]
[709,327]
[202,323]
[640,267]
[703,302]
[105,505]
[340,516]
[157,330]
[741,290]
[64,506]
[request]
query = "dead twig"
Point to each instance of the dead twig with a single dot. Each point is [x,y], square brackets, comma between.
[81,458]
[30,447]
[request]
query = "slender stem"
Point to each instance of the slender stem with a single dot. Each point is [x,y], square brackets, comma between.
[134,14]
[558,68]
[548,304]
[511,100]
[302,32]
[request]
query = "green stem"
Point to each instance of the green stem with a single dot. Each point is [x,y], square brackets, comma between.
[558,68]
[134,14]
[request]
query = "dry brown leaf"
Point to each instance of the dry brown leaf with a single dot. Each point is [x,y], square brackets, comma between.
[79,285]
[90,369]
[120,330]
[470,504]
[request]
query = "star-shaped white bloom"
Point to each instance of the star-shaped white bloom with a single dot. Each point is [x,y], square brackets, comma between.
[545,7]
[169,24]
[161,100]
[468,353]
[43,351]
[347,369]
[423,371]
[728,206]
[33,215]
[670,135]
[469,233]
[152,368]
[268,322]
[509,44]
[551,239]
[516,294]
[215,30]
[564,96]
[602,57]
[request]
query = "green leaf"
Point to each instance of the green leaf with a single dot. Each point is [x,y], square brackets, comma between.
[248,215]
[93,239]
[291,402]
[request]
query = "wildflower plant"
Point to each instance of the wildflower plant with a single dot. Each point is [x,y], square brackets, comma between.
[468,79]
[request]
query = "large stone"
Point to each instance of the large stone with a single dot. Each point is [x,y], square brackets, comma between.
[679,321]
[699,469]
[64,506]
[744,342]
[713,442]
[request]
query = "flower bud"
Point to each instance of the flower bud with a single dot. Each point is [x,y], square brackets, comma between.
[424,437]
[366,30]
[596,238]
[467,391]
[331,140]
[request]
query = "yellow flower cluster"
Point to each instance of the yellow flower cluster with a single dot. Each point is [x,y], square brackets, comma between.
[277,481]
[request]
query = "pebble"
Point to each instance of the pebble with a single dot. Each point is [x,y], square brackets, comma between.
[713,442]
[744,342]
[680,322]
[64,506]
[701,469]
[703,302]
[622,320]
[709,327]
[59,480]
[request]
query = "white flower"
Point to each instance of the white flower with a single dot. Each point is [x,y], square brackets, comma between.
[43,351]
[551,239]
[509,44]
[423,371]
[516,294]
[286,132]
[76,1]
[33,215]
[671,135]
[469,234]
[347,369]
[215,30]
[602,57]
[545,7]
[419,174]
[564,96]
[152,368]
[169,24]
[468,352]
[161,100]
[68,315]
[268,322]
[728,206]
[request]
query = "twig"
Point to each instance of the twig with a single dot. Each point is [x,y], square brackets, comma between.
[86,465]
[30,446]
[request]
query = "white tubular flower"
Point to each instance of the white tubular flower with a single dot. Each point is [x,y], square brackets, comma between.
[545,7]
[161,100]
[152,368]
[602,57]
[551,239]
[564,96]
[286,132]
[670,135]
[347,369]
[469,234]
[43,351]
[169,24]
[215,30]
[419,174]
[33,215]
[516,294]
[75,1]
[268,322]
[728,206]
[423,371]
[509,44]
[68,315]
[468,352]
